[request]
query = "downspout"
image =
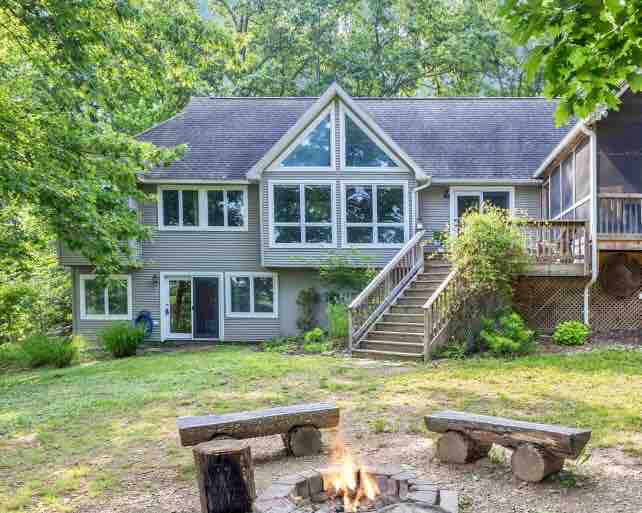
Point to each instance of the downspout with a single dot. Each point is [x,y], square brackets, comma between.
[593,223]
[418,206]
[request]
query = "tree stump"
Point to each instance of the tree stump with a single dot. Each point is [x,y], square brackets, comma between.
[455,447]
[225,476]
[531,463]
[302,441]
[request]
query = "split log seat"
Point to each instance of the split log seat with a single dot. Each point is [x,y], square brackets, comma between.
[539,449]
[298,425]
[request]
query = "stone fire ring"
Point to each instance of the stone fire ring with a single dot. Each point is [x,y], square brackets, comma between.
[287,494]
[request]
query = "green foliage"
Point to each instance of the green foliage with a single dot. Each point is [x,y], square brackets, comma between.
[122,339]
[280,345]
[507,335]
[584,50]
[307,301]
[337,321]
[345,274]
[571,333]
[488,252]
[453,349]
[321,346]
[315,335]
[41,350]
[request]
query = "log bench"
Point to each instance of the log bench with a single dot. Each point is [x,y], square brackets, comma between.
[298,426]
[539,449]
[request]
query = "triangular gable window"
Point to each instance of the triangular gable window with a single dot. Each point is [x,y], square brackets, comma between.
[314,150]
[361,150]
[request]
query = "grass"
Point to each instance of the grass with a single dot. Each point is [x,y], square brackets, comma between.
[75,434]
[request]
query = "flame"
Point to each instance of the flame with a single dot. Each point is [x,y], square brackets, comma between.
[351,482]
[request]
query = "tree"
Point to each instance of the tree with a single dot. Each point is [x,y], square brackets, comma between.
[77,81]
[585,49]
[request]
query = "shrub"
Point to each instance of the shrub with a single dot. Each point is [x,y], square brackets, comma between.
[10,355]
[122,339]
[342,275]
[280,345]
[40,350]
[321,346]
[571,333]
[307,300]
[315,335]
[337,321]
[488,252]
[454,349]
[507,335]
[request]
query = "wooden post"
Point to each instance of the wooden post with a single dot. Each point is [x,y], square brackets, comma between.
[225,476]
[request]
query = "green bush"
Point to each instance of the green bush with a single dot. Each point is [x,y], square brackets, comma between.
[10,356]
[307,301]
[337,321]
[40,350]
[315,335]
[507,335]
[122,339]
[280,345]
[571,333]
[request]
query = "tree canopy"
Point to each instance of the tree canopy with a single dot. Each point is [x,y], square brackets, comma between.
[585,49]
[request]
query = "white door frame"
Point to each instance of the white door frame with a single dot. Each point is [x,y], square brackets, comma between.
[164,302]
[473,190]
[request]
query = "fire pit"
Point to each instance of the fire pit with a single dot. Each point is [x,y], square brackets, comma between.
[348,488]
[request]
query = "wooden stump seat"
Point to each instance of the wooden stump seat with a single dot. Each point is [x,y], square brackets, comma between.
[539,449]
[298,425]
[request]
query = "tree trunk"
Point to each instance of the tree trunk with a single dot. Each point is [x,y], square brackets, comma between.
[303,441]
[225,476]
[530,463]
[454,447]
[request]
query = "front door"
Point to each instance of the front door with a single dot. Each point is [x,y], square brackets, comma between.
[206,308]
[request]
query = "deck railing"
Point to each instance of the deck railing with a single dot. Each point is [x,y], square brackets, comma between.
[557,242]
[620,214]
[370,304]
[439,310]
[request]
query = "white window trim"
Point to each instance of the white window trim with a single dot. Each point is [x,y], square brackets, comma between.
[202,208]
[343,112]
[575,202]
[471,190]
[251,313]
[106,316]
[302,223]
[164,301]
[374,224]
[286,153]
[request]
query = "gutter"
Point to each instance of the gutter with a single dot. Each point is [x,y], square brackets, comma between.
[595,271]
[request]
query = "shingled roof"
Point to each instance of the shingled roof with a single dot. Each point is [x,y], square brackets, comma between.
[449,138]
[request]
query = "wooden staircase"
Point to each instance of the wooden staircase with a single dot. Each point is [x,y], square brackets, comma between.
[399,333]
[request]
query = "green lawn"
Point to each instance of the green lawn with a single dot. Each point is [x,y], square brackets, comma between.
[72,431]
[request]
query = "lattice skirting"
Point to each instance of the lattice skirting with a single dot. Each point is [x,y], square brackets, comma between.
[545,302]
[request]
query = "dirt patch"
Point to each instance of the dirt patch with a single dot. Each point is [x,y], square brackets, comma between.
[611,340]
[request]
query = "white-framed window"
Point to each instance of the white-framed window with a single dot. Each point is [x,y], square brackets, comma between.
[361,149]
[302,213]
[465,198]
[216,208]
[111,302]
[375,214]
[314,148]
[252,294]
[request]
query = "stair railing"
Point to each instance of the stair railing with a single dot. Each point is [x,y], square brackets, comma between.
[439,309]
[384,288]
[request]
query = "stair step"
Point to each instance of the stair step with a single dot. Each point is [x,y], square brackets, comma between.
[391,345]
[423,285]
[397,309]
[396,336]
[411,302]
[400,327]
[404,318]
[386,355]
[418,294]
[431,278]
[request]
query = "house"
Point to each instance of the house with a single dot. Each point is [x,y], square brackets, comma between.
[269,187]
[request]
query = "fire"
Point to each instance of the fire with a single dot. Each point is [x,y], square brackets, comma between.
[350,481]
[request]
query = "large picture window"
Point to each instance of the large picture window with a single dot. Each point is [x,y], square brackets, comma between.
[110,302]
[302,213]
[252,295]
[203,208]
[375,214]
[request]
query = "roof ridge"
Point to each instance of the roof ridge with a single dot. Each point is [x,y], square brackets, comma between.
[357,98]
